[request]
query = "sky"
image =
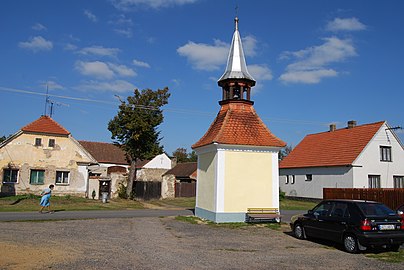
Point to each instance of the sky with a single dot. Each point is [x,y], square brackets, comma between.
[315,62]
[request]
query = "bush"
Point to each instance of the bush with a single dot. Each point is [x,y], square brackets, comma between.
[282,195]
[122,191]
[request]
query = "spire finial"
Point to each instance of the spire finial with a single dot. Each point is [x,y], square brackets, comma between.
[236,23]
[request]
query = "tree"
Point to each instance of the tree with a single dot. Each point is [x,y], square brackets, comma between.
[3,138]
[285,151]
[183,156]
[134,128]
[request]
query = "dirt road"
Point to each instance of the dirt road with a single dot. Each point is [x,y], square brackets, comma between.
[164,243]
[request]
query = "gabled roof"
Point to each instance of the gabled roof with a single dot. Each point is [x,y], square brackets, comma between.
[45,124]
[237,123]
[333,148]
[105,152]
[183,170]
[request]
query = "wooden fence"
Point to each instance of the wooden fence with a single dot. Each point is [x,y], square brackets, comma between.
[147,190]
[185,190]
[389,196]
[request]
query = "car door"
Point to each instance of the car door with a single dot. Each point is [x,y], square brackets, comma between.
[336,223]
[315,224]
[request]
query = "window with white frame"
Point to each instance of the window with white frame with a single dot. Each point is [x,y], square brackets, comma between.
[10,175]
[385,153]
[37,177]
[292,179]
[398,181]
[62,177]
[374,181]
[309,177]
[287,179]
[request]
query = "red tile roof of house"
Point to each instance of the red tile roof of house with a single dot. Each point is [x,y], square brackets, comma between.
[183,170]
[237,123]
[333,148]
[106,152]
[45,124]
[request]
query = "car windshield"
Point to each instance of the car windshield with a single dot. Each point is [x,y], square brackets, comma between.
[375,209]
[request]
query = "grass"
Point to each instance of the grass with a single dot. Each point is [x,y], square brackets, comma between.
[392,257]
[30,202]
[21,203]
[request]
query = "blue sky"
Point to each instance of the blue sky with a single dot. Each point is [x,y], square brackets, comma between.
[316,62]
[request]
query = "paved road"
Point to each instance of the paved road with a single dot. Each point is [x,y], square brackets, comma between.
[102,214]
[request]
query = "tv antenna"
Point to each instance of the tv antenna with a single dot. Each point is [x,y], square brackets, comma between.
[49,103]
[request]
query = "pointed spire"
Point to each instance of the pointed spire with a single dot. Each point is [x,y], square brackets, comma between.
[236,65]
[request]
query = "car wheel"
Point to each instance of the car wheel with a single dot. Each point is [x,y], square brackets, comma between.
[350,243]
[299,231]
[394,248]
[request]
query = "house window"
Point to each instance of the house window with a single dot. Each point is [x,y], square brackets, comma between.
[292,179]
[10,175]
[385,153]
[309,177]
[287,179]
[398,181]
[374,181]
[62,177]
[37,177]
[51,143]
[38,141]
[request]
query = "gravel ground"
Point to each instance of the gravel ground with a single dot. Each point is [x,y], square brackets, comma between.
[164,243]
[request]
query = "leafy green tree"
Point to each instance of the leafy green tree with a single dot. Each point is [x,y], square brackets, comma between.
[135,127]
[183,156]
[285,151]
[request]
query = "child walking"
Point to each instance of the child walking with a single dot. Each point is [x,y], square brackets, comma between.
[45,200]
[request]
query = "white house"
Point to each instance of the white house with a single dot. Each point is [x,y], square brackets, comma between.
[365,156]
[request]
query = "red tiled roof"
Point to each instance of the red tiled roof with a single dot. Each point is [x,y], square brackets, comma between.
[183,169]
[333,148]
[45,124]
[237,123]
[105,152]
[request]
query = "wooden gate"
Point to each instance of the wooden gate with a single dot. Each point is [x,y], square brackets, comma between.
[185,190]
[147,190]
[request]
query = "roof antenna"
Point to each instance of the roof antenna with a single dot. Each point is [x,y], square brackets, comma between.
[46,98]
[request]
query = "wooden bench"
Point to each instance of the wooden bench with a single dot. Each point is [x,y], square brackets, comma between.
[263,215]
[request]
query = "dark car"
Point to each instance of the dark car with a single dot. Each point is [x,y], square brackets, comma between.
[400,211]
[354,223]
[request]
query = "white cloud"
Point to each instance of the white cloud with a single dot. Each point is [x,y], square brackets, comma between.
[38,27]
[124,32]
[104,70]
[70,47]
[260,72]
[90,16]
[311,63]
[54,85]
[122,70]
[131,4]
[100,51]
[347,24]
[36,44]
[97,69]
[140,63]
[117,86]
[249,45]
[308,77]
[203,56]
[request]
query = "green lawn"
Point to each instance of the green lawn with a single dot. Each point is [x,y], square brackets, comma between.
[22,203]
[71,203]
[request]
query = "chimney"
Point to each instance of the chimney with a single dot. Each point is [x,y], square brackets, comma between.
[351,124]
[333,127]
